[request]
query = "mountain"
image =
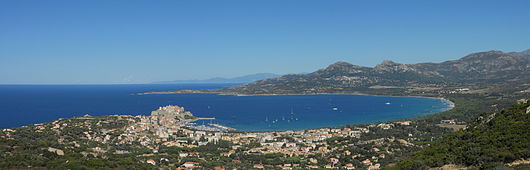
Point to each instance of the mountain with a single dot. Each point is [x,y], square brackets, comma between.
[477,70]
[241,79]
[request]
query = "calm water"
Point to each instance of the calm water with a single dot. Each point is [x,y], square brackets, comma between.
[28,104]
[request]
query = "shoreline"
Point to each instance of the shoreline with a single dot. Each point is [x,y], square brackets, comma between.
[450,103]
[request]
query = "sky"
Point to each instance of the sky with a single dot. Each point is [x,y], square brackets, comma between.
[132,41]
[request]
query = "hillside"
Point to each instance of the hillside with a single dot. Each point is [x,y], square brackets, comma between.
[491,141]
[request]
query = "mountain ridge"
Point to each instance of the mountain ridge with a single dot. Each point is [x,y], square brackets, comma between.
[490,66]
[481,72]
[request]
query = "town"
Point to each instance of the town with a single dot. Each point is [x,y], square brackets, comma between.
[168,138]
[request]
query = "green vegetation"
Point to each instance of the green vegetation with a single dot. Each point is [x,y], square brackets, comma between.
[189,117]
[21,153]
[492,138]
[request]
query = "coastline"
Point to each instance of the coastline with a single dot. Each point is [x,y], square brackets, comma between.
[450,103]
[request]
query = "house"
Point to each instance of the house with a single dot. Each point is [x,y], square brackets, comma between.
[313,160]
[259,166]
[150,161]
[334,160]
[385,126]
[191,168]
[190,164]
[348,166]
[313,166]
[376,166]
[355,134]
[404,123]
[367,162]
[450,122]
[382,155]
[227,154]
[462,89]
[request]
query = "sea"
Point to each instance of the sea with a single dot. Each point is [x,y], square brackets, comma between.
[22,105]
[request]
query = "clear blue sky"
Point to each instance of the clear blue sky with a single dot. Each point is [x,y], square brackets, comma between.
[129,41]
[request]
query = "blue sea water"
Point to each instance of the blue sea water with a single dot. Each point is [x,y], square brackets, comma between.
[29,104]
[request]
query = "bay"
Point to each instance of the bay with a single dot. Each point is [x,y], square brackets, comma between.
[29,104]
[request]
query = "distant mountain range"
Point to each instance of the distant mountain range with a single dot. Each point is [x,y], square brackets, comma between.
[481,71]
[478,70]
[241,79]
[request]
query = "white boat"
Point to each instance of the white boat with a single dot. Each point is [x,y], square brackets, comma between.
[387,103]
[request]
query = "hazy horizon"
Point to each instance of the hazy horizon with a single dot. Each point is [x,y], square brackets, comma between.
[136,42]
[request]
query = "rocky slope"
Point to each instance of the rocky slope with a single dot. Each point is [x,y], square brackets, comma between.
[477,69]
